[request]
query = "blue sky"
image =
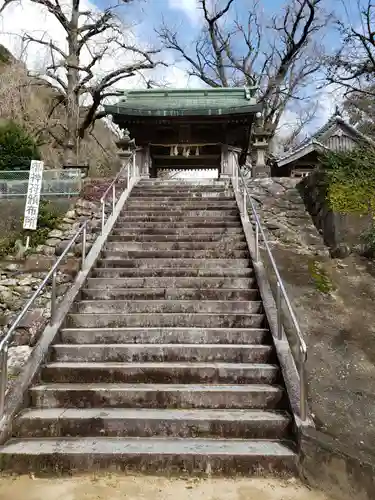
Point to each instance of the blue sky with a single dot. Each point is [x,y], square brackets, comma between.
[184,15]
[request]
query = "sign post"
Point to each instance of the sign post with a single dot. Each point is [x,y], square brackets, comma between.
[34,187]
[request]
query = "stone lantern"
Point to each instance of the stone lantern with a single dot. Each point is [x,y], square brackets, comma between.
[260,145]
[125,145]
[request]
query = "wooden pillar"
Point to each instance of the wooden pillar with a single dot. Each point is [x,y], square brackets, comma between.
[225,168]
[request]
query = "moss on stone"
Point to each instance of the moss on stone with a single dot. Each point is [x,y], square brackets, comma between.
[320,277]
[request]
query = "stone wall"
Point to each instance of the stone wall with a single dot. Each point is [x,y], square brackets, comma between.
[338,323]
[284,214]
[341,233]
[19,278]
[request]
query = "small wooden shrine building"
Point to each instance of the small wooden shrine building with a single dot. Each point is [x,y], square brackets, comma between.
[190,129]
[335,135]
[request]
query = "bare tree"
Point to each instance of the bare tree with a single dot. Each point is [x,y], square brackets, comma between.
[74,69]
[353,64]
[360,107]
[293,131]
[279,55]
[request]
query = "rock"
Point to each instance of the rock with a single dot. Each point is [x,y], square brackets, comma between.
[87,205]
[66,220]
[272,225]
[30,328]
[38,263]
[28,279]
[12,267]
[23,290]
[83,212]
[17,357]
[7,297]
[52,242]
[56,233]
[9,282]
[70,215]
[61,246]
[341,251]
[47,250]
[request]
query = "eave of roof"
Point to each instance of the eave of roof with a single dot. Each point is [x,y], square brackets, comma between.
[302,151]
[186,102]
[122,112]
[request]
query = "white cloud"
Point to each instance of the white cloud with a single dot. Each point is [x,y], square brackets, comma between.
[27,17]
[189,7]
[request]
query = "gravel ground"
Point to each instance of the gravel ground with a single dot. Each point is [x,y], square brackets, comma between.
[153,488]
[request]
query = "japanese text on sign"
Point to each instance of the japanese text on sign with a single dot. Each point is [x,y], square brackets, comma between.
[30,218]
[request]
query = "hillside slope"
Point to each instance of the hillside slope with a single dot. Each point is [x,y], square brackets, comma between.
[28,101]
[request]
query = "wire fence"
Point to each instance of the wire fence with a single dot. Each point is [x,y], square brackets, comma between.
[62,183]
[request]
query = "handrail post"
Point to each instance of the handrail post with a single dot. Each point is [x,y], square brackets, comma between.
[4,376]
[84,236]
[278,308]
[256,242]
[128,175]
[302,386]
[113,198]
[245,214]
[103,215]
[53,297]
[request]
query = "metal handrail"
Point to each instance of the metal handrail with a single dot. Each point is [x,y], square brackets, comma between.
[280,288]
[112,187]
[51,275]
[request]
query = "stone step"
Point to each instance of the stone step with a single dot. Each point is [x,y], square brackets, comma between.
[162,373]
[180,206]
[178,238]
[173,272]
[156,185]
[178,216]
[194,455]
[184,226]
[167,306]
[225,245]
[165,336]
[176,198]
[178,232]
[128,353]
[179,212]
[162,254]
[167,261]
[181,396]
[169,294]
[145,422]
[200,320]
[170,282]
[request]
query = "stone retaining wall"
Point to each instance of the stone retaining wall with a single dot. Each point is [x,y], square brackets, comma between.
[341,233]
[338,325]
[20,278]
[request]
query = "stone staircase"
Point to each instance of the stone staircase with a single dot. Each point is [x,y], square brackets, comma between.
[165,362]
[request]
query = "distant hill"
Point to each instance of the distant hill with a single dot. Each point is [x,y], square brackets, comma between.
[27,101]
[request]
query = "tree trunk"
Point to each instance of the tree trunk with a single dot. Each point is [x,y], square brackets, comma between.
[71,150]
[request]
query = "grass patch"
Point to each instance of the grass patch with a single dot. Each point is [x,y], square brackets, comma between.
[48,219]
[320,277]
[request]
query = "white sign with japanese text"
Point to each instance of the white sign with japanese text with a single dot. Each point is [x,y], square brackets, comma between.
[30,218]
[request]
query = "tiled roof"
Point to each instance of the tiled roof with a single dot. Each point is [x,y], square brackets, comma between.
[314,143]
[181,102]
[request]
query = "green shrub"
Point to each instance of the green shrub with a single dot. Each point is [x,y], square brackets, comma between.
[17,148]
[48,219]
[350,181]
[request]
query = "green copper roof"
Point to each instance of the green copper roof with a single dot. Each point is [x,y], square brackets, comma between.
[182,102]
